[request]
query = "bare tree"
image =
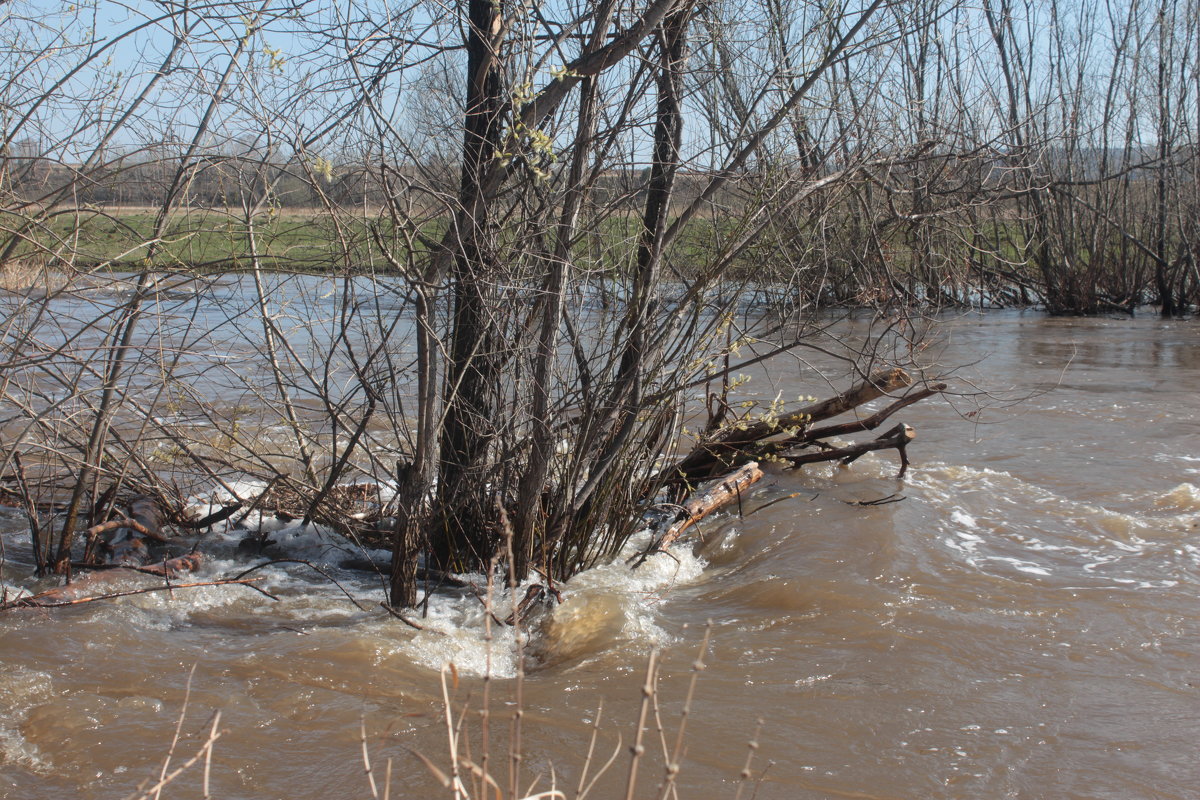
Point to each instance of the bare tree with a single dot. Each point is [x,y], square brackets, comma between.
[538,231]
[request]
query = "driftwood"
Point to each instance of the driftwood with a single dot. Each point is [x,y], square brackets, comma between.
[90,586]
[728,447]
[744,442]
[128,522]
[875,420]
[124,540]
[170,568]
[50,600]
[773,439]
[173,567]
[898,438]
[716,496]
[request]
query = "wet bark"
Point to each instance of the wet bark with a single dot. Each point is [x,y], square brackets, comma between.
[731,445]
[724,492]
[897,438]
[124,541]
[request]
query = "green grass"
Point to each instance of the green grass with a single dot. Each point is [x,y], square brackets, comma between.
[205,241]
[295,240]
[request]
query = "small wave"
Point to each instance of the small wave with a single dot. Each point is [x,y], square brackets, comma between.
[1184,497]
[22,689]
[605,608]
[1000,524]
[1020,565]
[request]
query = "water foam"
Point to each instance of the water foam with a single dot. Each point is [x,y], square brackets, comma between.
[604,608]
[1184,497]
[21,690]
[999,523]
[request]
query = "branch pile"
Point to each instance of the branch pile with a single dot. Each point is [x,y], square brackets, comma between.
[778,438]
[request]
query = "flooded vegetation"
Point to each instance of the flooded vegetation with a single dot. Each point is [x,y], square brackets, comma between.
[522,400]
[1020,622]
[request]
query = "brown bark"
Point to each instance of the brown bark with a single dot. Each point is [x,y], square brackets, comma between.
[898,438]
[127,545]
[40,601]
[873,421]
[814,435]
[90,586]
[703,503]
[459,536]
[725,448]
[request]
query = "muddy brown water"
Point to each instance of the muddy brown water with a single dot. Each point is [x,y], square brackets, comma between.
[1022,624]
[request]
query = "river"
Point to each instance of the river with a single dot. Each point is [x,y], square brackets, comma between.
[1022,623]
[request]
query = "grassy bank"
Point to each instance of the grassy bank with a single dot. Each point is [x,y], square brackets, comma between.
[205,240]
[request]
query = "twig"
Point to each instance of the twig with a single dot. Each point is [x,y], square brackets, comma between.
[898,437]
[187,694]
[486,606]
[583,791]
[210,520]
[204,752]
[534,594]
[255,502]
[401,617]
[366,755]
[879,501]
[672,766]
[311,566]
[637,749]
[35,527]
[751,749]
[765,506]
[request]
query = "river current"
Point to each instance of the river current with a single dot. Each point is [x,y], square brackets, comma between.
[1021,623]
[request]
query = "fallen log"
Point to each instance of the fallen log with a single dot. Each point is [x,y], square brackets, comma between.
[173,567]
[43,601]
[726,448]
[713,498]
[898,438]
[170,568]
[127,544]
[812,436]
[91,584]
[875,420]
[126,522]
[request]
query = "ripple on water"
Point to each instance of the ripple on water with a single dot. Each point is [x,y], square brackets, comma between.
[1184,498]
[22,690]
[1007,527]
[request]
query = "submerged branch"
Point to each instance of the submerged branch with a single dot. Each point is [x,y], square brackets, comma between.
[47,599]
[723,493]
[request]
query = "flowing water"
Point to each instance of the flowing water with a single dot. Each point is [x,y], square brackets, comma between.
[1023,623]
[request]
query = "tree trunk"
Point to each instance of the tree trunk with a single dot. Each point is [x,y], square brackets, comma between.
[459,539]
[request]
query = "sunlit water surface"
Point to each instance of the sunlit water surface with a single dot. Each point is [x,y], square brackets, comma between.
[1022,624]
